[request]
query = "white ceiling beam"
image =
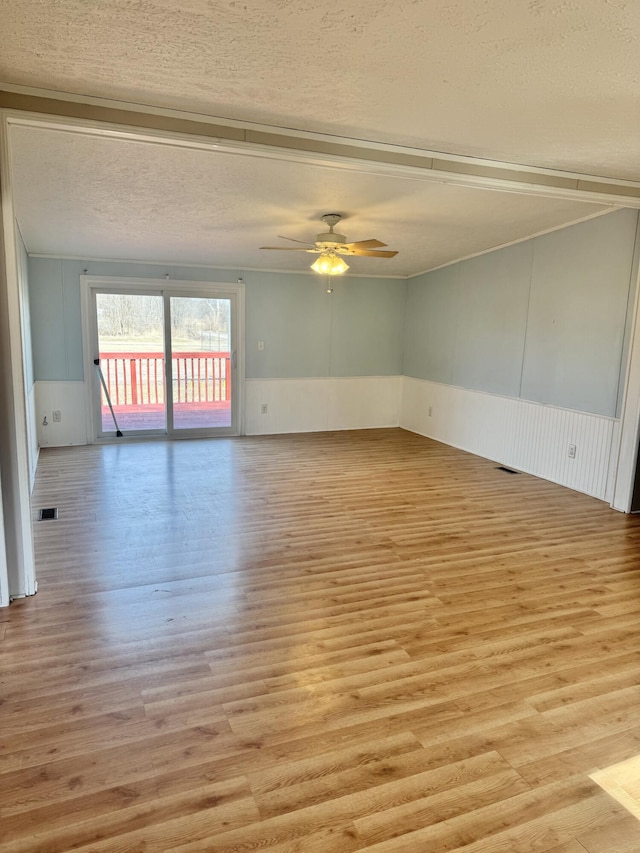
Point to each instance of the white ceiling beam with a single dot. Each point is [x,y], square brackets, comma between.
[170,127]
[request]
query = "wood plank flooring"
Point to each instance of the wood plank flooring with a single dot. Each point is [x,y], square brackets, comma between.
[361,641]
[622,781]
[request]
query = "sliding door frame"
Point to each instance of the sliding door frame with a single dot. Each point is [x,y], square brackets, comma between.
[166,287]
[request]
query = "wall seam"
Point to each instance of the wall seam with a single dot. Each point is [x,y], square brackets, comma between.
[64,322]
[633,275]
[403,361]
[526,318]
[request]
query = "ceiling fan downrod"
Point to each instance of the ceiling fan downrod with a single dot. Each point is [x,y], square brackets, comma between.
[330,238]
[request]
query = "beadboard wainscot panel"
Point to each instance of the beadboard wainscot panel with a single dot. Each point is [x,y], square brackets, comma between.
[364,402]
[526,436]
[320,404]
[69,399]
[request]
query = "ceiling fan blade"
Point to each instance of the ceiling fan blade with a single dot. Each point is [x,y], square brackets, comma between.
[370,253]
[365,244]
[293,239]
[288,249]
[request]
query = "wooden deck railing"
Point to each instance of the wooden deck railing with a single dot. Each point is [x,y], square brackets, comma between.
[137,378]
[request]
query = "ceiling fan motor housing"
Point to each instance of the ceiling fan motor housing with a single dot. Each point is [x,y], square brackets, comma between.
[330,239]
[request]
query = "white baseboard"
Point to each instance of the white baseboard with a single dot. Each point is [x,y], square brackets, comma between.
[68,399]
[519,434]
[318,405]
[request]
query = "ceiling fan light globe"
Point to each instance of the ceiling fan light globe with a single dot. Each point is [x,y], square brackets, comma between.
[329,263]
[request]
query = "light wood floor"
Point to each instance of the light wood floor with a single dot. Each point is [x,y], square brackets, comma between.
[321,643]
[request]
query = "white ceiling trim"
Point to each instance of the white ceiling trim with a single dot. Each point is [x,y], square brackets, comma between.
[293,134]
[443,169]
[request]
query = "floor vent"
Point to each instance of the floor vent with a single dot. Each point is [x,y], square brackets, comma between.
[51,513]
[506,470]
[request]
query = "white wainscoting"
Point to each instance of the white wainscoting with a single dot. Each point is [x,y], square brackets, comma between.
[526,436]
[68,399]
[317,405]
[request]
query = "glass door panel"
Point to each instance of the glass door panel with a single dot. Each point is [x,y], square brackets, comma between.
[131,351]
[201,365]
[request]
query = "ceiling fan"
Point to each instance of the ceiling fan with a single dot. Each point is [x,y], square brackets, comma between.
[330,245]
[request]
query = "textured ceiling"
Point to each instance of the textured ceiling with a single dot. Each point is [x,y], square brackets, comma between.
[553,83]
[544,83]
[88,196]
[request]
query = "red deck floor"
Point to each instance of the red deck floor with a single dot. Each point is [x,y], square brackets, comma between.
[152,417]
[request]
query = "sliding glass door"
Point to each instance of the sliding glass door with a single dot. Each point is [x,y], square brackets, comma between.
[166,362]
[201,366]
[131,354]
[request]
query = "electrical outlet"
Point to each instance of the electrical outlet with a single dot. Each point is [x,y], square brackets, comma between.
[260,346]
[430,410]
[264,409]
[56,416]
[572,451]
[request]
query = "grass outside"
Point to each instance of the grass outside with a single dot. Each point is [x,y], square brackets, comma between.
[133,344]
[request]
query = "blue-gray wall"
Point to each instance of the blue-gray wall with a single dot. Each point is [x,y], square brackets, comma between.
[355,331]
[545,320]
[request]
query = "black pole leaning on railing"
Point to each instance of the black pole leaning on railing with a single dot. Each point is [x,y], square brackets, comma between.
[96,361]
